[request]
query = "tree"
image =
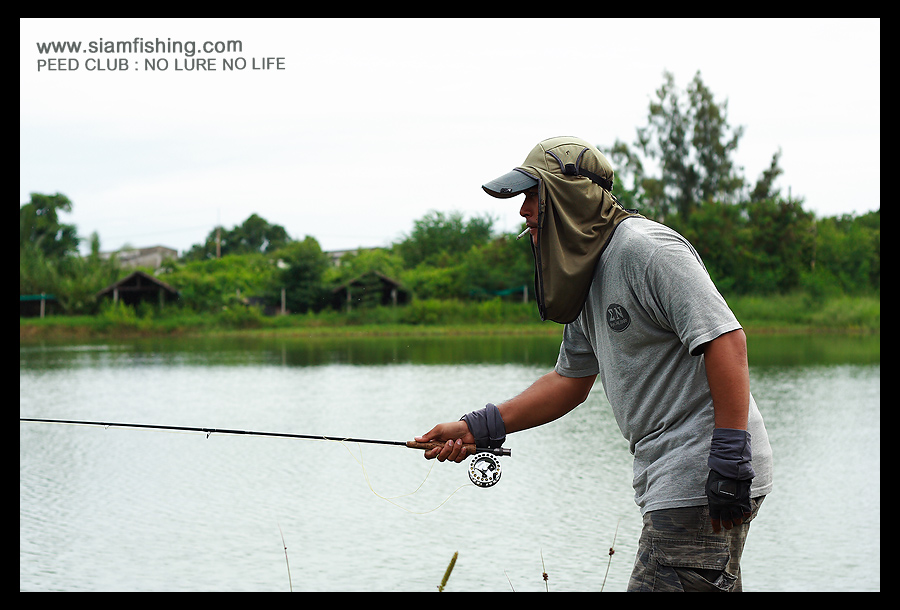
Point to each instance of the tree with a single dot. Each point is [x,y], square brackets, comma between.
[355,264]
[688,138]
[765,188]
[48,256]
[722,236]
[211,284]
[848,252]
[782,243]
[40,229]
[501,267]
[254,235]
[49,261]
[81,277]
[302,277]
[439,239]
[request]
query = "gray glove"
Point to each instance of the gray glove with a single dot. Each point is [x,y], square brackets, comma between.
[486,426]
[730,475]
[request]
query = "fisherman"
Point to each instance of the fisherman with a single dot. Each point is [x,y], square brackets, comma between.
[640,311]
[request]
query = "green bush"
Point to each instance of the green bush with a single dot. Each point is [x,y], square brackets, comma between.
[241,316]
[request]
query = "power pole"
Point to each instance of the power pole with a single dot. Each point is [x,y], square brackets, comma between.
[218,236]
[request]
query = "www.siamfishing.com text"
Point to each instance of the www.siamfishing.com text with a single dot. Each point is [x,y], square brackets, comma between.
[112,56]
[139,45]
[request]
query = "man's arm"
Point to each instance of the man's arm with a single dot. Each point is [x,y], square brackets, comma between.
[728,484]
[728,375]
[547,399]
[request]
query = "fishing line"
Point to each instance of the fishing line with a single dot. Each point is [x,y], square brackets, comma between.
[392,498]
[484,469]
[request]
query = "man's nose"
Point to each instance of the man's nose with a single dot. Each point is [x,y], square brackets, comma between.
[523,211]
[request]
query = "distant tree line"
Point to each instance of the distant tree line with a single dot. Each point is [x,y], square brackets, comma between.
[679,171]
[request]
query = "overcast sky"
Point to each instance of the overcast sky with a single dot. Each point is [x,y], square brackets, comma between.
[372,123]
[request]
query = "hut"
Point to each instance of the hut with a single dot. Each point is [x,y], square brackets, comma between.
[368,290]
[139,287]
[37,305]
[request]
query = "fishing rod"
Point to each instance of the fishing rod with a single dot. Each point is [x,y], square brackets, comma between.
[484,470]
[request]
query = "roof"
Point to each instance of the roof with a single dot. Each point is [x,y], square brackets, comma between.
[138,280]
[382,276]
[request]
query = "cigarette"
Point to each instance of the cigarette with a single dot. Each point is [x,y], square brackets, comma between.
[522,234]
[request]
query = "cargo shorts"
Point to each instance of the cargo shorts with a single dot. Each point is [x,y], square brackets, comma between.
[678,551]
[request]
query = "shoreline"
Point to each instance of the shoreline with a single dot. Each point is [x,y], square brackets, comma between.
[790,314]
[67,331]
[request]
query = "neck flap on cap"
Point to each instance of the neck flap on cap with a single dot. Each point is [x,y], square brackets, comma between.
[576,219]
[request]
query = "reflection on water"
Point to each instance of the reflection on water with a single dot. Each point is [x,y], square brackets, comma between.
[764,350]
[138,510]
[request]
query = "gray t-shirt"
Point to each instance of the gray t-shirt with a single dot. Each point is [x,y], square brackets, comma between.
[650,309]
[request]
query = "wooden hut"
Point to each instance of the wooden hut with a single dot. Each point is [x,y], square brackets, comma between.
[367,290]
[139,287]
[37,305]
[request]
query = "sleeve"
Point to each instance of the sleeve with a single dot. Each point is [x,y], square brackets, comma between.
[576,356]
[682,296]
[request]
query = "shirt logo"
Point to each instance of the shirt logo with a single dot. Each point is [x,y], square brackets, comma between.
[617,318]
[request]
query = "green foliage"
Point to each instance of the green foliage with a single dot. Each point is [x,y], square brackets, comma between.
[428,282]
[752,242]
[796,309]
[48,260]
[781,245]
[759,247]
[255,235]
[689,141]
[121,317]
[37,273]
[454,311]
[239,315]
[81,278]
[774,246]
[765,186]
[353,265]
[41,230]
[210,285]
[302,278]
[436,311]
[848,248]
[680,170]
[688,136]
[502,267]
[438,239]
[498,267]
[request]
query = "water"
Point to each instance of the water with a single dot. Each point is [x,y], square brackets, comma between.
[146,511]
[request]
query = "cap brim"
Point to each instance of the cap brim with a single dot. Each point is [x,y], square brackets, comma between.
[509,185]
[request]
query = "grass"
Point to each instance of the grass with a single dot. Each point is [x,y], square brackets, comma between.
[793,313]
[800,313]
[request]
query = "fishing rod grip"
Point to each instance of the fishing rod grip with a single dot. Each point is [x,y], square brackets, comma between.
[470,449]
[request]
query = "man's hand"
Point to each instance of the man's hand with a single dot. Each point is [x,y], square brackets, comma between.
[728,484]
[729,501]
[547,399]
[456,434]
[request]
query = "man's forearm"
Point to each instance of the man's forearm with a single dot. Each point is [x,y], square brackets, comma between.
[729,379]
[547,399]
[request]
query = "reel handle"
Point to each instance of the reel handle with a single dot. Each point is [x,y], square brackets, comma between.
[470,449]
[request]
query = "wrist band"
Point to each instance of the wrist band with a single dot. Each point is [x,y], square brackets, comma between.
[730,454]
[486,426]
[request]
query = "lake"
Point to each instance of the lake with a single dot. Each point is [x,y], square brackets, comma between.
[136,510]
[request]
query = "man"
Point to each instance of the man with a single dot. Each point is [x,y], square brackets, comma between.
[641,312]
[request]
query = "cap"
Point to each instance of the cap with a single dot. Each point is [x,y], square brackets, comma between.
[509,185]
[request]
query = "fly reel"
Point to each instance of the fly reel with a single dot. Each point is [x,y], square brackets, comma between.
[484,469]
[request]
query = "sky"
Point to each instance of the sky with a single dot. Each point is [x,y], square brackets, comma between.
[350,130]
